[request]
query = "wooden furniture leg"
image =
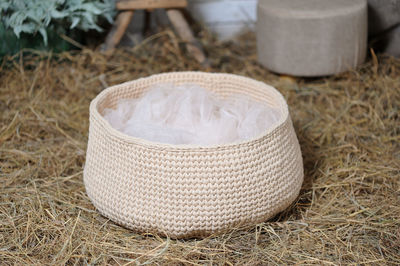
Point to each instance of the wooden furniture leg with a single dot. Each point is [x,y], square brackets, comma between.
[176,17]
[118,30]
[182,28]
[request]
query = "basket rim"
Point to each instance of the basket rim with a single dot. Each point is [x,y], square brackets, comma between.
[281,103]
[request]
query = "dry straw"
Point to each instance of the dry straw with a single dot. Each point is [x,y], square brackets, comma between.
[185,190]
[348,126]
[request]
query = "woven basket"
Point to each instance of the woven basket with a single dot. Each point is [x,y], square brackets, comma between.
[188,190]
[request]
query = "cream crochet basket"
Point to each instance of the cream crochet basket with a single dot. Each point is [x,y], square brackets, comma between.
[187,190]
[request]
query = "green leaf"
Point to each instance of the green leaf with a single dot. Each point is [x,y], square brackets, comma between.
[58,14]
[27,28]
[75,21]
[91,8]
[4,5]
[44,35]
[16,19]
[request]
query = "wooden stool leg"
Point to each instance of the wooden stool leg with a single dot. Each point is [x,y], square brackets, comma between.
[118,30]
[182,28]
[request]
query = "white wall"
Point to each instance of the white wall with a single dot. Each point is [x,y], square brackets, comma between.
[226,18]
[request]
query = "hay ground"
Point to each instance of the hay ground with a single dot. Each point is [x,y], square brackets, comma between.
[348,211]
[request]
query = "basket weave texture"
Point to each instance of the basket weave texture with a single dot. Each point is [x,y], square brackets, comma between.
[188,190]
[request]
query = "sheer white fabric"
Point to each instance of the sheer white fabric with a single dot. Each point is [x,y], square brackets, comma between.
[190,114]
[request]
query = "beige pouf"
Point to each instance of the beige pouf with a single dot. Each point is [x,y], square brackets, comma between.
[188,190]
[311,37]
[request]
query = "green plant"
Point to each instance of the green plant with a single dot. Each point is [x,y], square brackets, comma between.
[33,16]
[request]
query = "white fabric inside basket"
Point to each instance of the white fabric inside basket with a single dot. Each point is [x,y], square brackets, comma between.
[189,114]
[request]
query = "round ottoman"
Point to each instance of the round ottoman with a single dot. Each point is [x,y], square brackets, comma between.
[311,37]
[189,190]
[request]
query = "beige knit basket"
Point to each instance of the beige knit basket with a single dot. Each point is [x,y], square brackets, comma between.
[188,190]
